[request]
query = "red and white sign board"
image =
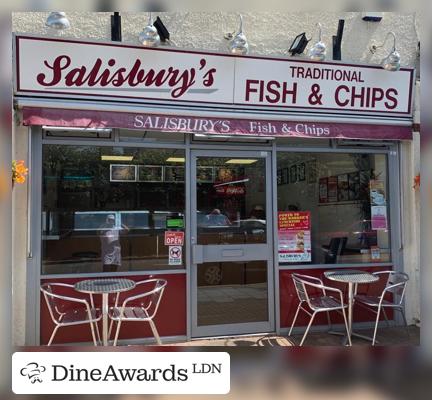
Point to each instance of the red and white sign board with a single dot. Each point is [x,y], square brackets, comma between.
[294,236]
[174,238]
[175,255]
[67,68]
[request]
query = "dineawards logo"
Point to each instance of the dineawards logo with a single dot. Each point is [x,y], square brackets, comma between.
[121,373]
[33,371]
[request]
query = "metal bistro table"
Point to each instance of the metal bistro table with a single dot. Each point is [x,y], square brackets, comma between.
[104,287]
[353,278]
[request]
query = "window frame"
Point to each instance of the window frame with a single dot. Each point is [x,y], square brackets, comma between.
[394,184]
[38,132]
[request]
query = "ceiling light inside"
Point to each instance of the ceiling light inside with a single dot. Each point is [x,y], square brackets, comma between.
[241,161]
[175,159]
[116,158]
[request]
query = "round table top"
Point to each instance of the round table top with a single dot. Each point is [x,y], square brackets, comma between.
[104,285]
[350,276]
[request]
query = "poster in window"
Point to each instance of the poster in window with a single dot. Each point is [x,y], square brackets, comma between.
[343,193]
[285,176]
[122,173]
[225,174]
[379,218]
[378,205]
[279,177]
[332,189]
[174,173]
[150,173]
[354,185]
[293,174]
[205,174]
[301,172]
[377,193]
[311,170]
[323,192]
[294,236]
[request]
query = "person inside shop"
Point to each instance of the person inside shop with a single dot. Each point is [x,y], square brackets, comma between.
[216,218]
[110,244]
[257,213]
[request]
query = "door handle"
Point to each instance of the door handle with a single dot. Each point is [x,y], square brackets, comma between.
[197,254]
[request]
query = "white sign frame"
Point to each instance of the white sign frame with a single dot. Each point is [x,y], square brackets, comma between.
[235,83]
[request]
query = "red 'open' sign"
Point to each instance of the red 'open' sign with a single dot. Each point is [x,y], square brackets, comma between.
[174,238]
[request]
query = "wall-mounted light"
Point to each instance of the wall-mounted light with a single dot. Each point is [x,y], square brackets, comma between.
[116,35]
[392,61]
[57,20]
[238,43]
[162,30]
[149,37]
[299,44]
[318,51]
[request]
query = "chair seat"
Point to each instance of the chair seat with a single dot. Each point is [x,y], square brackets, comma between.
[129,313]
[372,301]
[328,302]
[80,316]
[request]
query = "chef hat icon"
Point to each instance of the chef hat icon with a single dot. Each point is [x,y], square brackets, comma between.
[32,371]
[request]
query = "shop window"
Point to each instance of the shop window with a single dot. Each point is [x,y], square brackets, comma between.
[106,209]
[333,208]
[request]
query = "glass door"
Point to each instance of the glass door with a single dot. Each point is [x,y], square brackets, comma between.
[232,255]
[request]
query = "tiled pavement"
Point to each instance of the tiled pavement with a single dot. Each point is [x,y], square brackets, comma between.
[386,336]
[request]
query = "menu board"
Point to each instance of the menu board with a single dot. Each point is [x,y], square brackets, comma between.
[332,189]
[294,236]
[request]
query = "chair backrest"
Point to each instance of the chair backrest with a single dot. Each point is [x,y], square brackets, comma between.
[54,301]
[150,299]
[302,281]
[396,284]
[343,244]
[333,250]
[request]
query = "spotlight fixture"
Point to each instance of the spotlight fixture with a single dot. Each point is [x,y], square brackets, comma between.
[299,44]
[57,20]
[238,43]
[162,30]
[149,37]
[318,51]
[116,35]
[392,61]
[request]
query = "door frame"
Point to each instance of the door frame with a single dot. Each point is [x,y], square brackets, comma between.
[240,328]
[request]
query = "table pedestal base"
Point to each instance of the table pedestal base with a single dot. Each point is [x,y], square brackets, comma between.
[345,338]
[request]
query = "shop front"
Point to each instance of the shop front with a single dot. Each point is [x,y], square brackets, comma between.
[222,174]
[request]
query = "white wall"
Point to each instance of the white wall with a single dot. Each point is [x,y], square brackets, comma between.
[268,33]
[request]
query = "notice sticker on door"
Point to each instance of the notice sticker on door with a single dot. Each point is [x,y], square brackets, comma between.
[174,238]
[175,255]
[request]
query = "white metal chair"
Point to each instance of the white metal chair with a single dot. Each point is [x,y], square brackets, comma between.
[62,314]
[396,284]
[317,303]
[141,307]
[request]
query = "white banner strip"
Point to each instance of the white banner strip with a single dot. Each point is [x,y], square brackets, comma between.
[121,373]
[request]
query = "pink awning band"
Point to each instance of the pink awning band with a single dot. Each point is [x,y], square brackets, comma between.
[211,125]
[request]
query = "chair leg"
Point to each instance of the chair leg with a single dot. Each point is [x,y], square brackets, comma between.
[295,318]
[405,321]
[117,332]
[307,329]
[385,316]
[53,334]
[155,332]
[376,325]
[329,323]
[346,327]
[93,332]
